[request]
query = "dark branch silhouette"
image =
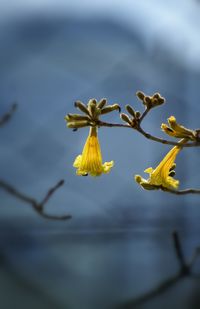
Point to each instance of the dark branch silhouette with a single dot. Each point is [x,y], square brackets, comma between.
[37,206]
[185,269]
[8,115]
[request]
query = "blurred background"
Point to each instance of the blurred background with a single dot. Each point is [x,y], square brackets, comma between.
[118,243]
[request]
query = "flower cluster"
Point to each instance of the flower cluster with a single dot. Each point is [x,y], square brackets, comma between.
[90,161]
[91,113]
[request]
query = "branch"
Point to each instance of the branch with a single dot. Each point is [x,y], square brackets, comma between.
[37,206]
[6,117]
[164,141]
[184,270]
[184,267]
[180,192]
[147,135]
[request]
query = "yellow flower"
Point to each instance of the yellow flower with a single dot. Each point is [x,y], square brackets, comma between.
[176,130]
[162,175]
[90,161]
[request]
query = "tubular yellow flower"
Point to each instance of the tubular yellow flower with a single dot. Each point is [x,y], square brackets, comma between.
[176,130]
[90,161]
[163,174]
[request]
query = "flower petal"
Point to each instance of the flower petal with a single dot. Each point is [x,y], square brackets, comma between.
[90,162]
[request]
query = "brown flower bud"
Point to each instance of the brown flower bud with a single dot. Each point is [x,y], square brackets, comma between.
[102,103]
[125,118]
[140,95]
[110,108]
[82,107]
[130,110]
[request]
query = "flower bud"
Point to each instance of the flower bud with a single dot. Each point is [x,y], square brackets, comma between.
[156,95]
[71,117]
[78,124]
[147,101]
[102,103]
[130,110]
[125,118]
[92,108]
[137,115]
[110,108]
[92,101]
[140,95]
[82,107]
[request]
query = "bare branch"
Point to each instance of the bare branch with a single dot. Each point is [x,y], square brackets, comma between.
[185,269]
[156,291]
[180,192]
[7,116]
[147,135]
[110,125]
[164,141]
[195,255]
[146,111]
[37,206]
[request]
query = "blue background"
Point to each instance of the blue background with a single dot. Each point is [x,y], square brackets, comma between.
[118,243]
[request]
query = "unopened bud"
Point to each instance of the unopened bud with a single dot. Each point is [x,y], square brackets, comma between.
[161,100]
[82,107]
[137,115]
[147,100]
[125,118]
[102,103]
[116,107]
[92,108]
[110,108]
[138,178]
[78,124]
[140,95]
[156,95]
[92,101]
[71,117]
[130,110]
[155,102]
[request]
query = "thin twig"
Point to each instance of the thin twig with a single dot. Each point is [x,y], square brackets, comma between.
[108,124]
[6,117]
[145,134]
[146,111]
[195,255]
[184,267]
[180,192]
[37,206]
[164,141]
[156,291]
[184,270]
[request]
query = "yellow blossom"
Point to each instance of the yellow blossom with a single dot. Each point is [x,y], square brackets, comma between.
[176,130]
[162,175]
[90,161]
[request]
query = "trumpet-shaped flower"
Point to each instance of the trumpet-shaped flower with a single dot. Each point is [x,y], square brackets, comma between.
[176,130]
[162,175]
[90,161]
